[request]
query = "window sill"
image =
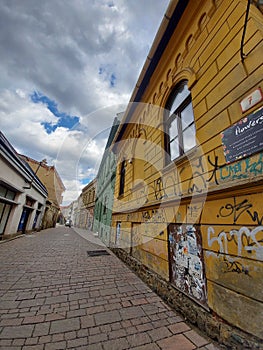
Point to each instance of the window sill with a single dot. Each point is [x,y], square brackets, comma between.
[180,160]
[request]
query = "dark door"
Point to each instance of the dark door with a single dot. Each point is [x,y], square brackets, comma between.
[23,220]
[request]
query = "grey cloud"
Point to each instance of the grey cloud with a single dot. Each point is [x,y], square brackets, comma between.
[57,47]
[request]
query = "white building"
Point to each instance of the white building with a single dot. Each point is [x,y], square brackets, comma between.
[22,194]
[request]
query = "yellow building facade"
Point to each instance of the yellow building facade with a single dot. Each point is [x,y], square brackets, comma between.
[55,187]
[188,196]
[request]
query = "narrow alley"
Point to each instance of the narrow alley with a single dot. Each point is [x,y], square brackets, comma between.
[55,296]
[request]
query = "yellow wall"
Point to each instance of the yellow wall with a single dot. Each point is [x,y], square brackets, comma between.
[200,189]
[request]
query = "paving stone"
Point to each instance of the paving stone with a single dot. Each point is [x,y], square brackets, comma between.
[114,306]
[144,327]
[31,302]
[76,313]
[44,339]
[105,328]
[87,321]
[54,317]
[70,335]
[138,339]
[57,337]
[31,341]
[131,312]
[159,333]
[23,331]
[179,327]
[95,309]
[174,319]
[131,330]
[61,326]
[41,329]
[97,338]
[56,299]
[117,334]
[19,341]
[107,317]
[62,345]
[5,342]
[178,341]
[108,291]
[34,319]
[94,330]
[92,347]
[148,347]
[11,322]
[196,338]
[160,323]
[34,347]
[76,343]
[121,344]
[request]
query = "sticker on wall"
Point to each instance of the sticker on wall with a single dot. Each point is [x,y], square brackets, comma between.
[244,138]
[251,100]
[186,260]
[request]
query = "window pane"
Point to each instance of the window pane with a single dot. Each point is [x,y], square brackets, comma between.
[2,191]
[183,92]
[5,213]
[173,132]
[2,206]
[187,116]
[10,195]
[122,178]
[189,138]
[174,149]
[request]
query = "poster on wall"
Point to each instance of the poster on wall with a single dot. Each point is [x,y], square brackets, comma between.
[244,138]
[186,260]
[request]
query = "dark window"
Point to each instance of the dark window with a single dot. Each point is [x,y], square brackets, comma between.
[105,205]
[180,126]
[6,193]
[122,178]
[5,210]
[5,206]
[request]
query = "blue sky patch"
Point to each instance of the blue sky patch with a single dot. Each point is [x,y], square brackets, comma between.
[105,70]
[112,80]
[86,181]
[64,120]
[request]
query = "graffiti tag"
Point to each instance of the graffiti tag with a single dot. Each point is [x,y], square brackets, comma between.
[244,239]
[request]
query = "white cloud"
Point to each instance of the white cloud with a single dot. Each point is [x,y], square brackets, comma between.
[58,48]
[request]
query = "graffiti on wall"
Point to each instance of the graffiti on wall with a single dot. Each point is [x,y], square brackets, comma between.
[186,260]
[243,169]
[230,265]
[237,209]
[154,215]
[170,185]
[244,241]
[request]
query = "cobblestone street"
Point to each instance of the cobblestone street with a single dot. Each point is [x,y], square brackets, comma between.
[55,296]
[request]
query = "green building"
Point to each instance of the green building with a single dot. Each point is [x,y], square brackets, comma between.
[105,189]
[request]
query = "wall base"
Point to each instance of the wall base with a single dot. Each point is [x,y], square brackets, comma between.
[211,324]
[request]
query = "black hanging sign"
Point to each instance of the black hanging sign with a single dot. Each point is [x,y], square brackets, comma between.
[244,138]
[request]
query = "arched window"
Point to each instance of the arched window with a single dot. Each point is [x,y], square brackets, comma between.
[180,126]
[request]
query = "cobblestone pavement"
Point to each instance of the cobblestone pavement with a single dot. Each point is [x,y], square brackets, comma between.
[54,296]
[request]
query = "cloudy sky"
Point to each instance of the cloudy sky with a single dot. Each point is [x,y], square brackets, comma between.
[67,67]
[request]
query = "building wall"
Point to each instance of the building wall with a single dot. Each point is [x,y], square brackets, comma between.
[89,196]
[104,197]
[10,176]
[51,179]
[197,222]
